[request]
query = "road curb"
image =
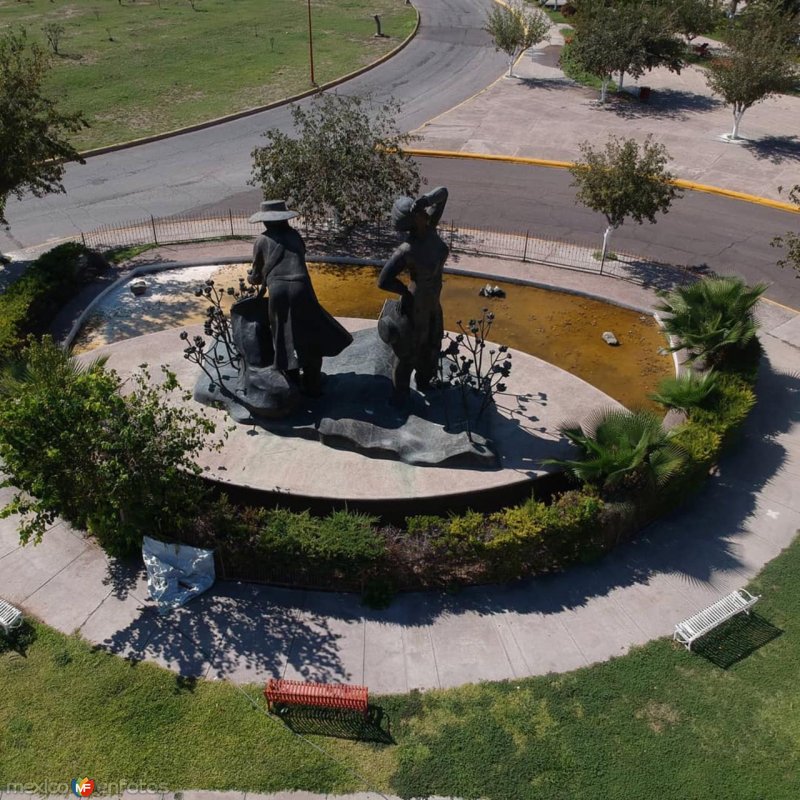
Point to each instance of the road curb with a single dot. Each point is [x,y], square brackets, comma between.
[249,112]
[544,162]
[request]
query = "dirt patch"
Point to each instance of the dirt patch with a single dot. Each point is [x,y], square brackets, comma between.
[658,716]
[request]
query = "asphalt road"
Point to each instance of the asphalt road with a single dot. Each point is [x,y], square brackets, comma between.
[449,60]
[726,235]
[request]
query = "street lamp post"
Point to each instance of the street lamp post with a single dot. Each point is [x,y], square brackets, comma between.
[310,46]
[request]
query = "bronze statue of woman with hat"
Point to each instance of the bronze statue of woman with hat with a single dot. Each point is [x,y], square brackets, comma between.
[413,326]
[302,331]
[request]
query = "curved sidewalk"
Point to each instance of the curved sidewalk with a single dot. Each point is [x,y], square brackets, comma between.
[247,633]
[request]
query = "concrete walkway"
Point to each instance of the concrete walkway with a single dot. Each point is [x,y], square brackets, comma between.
[246,633]
[539,113]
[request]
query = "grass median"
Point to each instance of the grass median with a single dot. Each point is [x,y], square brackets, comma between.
[658,722]
[137,68]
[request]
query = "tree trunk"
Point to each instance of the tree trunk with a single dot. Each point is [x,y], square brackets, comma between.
[621,79]
[737,118]
[511,59]
[606,237]
[604,89]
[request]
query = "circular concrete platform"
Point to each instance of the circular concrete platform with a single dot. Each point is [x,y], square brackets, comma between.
[300,472]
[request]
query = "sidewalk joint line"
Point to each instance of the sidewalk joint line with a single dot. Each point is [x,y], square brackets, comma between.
[54,575]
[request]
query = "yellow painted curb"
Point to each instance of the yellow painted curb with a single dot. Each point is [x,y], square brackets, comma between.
[537,162]
[249,112]
[781,305]
[747,198]
[543,162]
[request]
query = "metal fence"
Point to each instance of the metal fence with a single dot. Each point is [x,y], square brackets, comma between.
[378,241]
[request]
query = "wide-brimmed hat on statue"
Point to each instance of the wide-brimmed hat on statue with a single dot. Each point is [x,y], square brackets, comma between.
[273,211]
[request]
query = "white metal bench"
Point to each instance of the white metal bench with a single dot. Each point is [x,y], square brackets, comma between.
[10,617]
[709,618]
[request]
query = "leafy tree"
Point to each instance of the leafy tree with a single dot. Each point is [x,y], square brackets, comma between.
[33,133]
[760,63]
[693,17]
[345,162]
[791,240]
[782,16]
[624,180]
[76,447]
[514,28]
[630,37]
[712,318]
[622,450]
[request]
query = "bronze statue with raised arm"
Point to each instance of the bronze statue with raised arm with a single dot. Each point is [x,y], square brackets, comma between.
[414,327]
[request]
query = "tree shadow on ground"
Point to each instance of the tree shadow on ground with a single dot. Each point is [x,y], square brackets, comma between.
[375,727]
[234,630]
[123,575]
[558,85]
[673,104]
[651,274]
[776,149]
[736,640]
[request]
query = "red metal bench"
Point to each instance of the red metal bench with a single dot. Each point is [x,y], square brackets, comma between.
[322,695]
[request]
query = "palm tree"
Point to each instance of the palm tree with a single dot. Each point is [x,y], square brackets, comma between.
[712,318]
[622,449]
[687,391]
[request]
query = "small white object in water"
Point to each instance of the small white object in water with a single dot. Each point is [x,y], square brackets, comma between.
[138,286]
[609,338]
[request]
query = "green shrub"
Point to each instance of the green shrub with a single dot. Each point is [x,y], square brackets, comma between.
[735,399]
[425,524]
[623,451]
[535,533]
[29,304]
[76,448]
[465,530]
[713,318]
[701,443]
[687,391]
[342,538]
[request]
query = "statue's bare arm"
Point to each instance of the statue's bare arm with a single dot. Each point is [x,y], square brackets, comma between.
[436,200]
[388,280]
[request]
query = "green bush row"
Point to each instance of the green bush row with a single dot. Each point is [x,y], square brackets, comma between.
[28,305]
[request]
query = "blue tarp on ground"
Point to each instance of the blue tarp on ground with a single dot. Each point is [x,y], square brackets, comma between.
[176,572]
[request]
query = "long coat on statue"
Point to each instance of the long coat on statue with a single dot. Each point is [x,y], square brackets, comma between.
[302,330]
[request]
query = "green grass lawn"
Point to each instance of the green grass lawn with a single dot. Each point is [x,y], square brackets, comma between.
[145,66]
[659,722]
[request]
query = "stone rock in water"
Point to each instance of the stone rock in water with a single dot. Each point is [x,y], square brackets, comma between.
[609,338]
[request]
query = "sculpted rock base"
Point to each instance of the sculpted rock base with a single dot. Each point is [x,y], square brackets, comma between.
[356,412]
